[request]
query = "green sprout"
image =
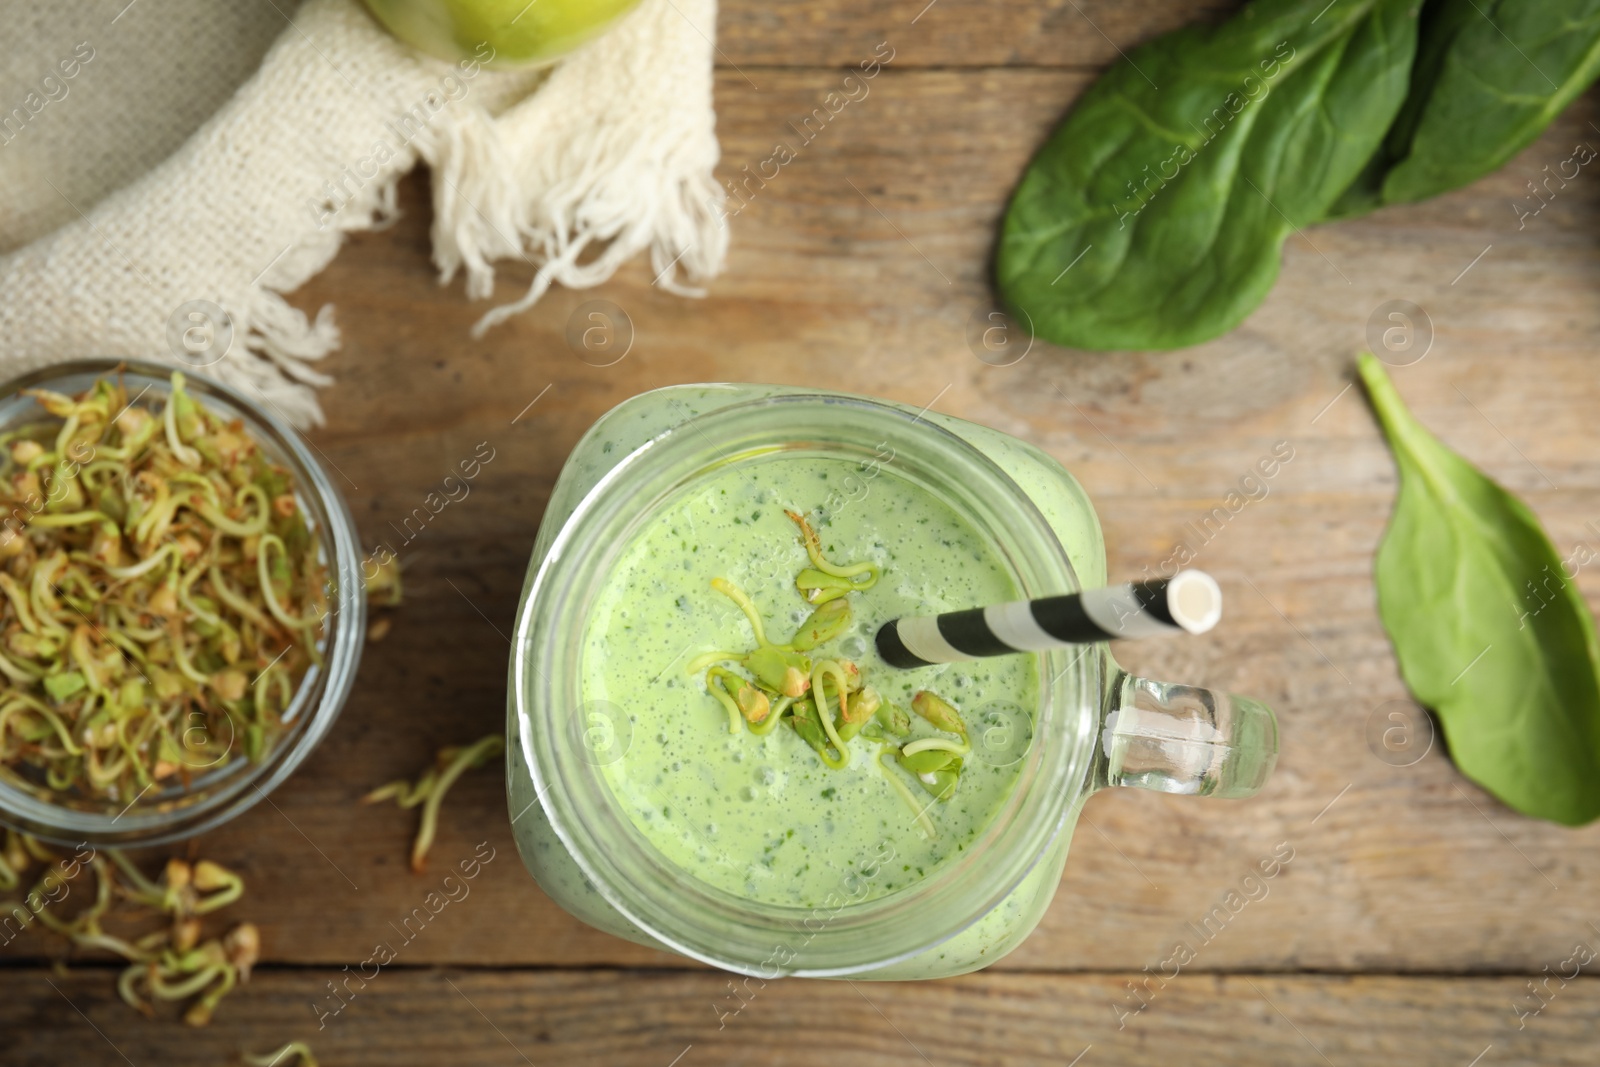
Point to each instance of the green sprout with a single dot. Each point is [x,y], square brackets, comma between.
[173,963]
[825,700]
[823,581]
[285,1056]
[163,594]
[430,787]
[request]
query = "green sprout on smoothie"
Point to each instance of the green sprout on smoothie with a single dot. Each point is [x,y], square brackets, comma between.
[823,582]
[825,700]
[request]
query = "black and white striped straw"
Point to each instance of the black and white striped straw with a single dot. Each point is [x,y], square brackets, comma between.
[1189,601]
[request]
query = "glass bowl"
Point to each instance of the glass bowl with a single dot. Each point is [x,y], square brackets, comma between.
[218,790]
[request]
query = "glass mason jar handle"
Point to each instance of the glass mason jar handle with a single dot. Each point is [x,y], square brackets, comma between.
[1182,739]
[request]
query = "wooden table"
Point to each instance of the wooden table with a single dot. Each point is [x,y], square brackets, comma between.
[1415,911]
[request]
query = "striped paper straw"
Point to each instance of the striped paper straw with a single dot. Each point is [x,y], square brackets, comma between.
[1189,601]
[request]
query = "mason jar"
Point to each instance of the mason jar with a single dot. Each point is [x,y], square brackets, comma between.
[1095,726]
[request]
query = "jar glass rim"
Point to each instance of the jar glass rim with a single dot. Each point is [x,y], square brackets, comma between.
[689,915]
[218,796]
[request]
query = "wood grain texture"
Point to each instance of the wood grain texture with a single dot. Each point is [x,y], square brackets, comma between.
[860,267]
[948,33]
[1410,869]
[677,1019]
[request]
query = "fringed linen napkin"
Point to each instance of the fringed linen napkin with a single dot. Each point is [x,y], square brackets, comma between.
[576,169]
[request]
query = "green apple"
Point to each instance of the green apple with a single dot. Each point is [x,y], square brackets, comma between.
[498,33]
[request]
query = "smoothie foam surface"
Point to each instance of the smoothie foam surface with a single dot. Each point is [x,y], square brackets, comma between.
[763,817]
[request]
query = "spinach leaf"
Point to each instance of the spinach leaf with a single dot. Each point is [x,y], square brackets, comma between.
[1153,217]
[1489,76]
[1489,631]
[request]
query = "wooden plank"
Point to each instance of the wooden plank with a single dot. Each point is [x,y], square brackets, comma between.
[690,1020]
[1403,868]
[947,33]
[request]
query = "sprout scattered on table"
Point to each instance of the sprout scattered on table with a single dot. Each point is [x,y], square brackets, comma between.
[173,963]
[430,787]
[290,1054]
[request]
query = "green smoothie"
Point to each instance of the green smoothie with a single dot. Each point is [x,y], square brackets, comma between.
[762,815]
